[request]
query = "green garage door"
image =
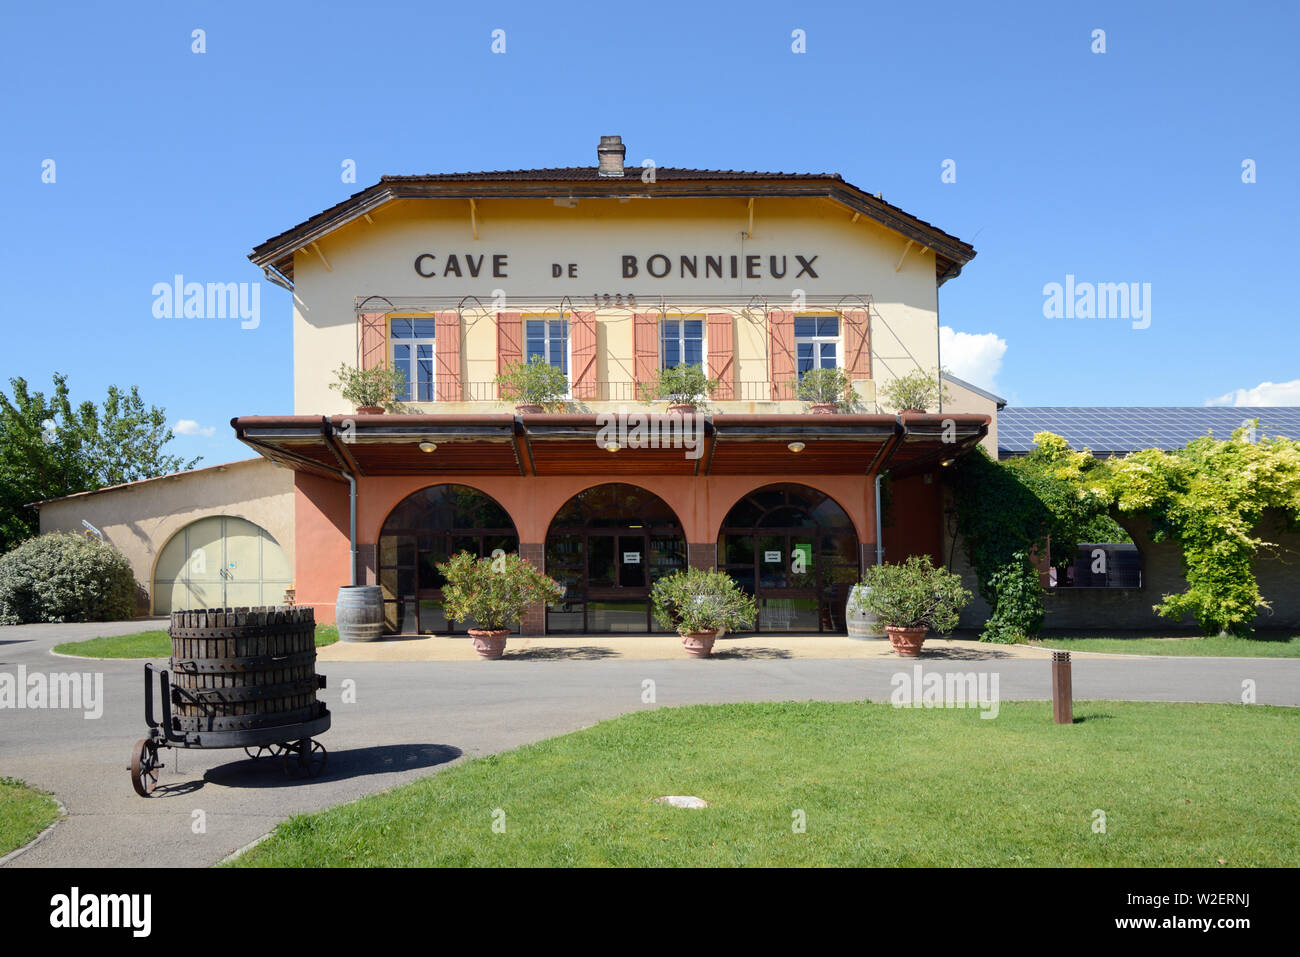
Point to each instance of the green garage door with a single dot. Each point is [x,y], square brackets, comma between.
[220,562]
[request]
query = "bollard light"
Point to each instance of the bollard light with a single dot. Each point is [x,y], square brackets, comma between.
[1062,689]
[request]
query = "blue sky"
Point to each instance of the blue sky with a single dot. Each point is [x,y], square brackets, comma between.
[1123,166]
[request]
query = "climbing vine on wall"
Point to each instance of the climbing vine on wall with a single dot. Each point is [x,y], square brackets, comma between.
[1005,514]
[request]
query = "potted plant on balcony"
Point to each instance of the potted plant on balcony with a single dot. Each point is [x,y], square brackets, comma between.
[910,598]
[531,385]
[492,594]
[825,390]
[686,387]
[697,604]
[916,391]
[371,391]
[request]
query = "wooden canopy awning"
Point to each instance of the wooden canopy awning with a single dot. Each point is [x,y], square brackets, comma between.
[606,444]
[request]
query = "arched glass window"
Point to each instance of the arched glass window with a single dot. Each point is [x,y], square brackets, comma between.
[426,528]
[795,550]
[607,546]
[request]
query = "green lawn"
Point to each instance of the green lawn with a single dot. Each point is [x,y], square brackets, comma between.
[153,644]
[1180,784]
[24,813]
[1273,646]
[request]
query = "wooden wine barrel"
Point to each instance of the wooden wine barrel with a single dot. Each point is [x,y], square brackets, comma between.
[359,613]
[244,669]
[863,625]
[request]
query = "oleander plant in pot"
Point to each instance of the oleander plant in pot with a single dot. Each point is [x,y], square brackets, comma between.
[533,384]
[492,594]
[911,598]
[825,390]
[371,391]
[685,387]
[916,391]
[697,604]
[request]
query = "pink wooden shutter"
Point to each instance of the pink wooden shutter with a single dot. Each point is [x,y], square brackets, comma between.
[582,372]
[374,339]
[721,345]
[857,344]
[645,344]
[447,348]
[780,352]
[510,348]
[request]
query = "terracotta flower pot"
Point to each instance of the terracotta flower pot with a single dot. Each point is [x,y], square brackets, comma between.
[489,644]
[824,408]
[370,410]
[907,642]
[683,408]
[528,408]
[699,644]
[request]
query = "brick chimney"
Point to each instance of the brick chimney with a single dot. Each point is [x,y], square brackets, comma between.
[610,155]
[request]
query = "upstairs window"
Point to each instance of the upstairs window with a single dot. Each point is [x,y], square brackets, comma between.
[817,342]
[411,352]
[548,338]
[681,342]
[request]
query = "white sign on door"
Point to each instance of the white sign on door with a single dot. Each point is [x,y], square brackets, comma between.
[771,556]
[631,558]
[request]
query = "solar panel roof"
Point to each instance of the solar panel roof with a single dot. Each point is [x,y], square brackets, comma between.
[1118,430]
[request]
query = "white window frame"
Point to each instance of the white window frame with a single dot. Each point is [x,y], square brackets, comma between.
[817,341]
[568,342]
[411,367]
[681,339]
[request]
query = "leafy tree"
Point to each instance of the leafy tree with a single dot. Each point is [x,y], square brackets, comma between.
[1210,497]
[49,448]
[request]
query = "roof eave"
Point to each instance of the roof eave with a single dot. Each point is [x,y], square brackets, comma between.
[950,252]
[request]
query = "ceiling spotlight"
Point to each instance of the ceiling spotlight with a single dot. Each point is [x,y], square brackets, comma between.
[428,446]
[612,446]
[946,462]
[796,446]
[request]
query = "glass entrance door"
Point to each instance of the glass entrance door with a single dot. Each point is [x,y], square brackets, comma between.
[794,549]
[608,546]
[788,596]
[617,592]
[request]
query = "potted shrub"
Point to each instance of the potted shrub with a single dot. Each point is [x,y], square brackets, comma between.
[532,384]
[686,387]
[916,391]
[493,594]
[697,604]
[371,391]
[910,598]
[825,390]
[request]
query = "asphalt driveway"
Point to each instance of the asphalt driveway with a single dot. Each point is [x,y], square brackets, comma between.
[411,718]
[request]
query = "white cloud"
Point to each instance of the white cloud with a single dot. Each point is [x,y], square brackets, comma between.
[1266,393]
[977,358]
[190,427]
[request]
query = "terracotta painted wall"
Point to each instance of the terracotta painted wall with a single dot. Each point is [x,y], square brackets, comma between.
[321,513]
[917,520]
[320,508]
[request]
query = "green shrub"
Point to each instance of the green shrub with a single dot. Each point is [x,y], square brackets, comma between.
[1018,614]
[682,384]
[913,594]
[493,593]
[917,390]
[65,577]
[378,386]
[698,599]
[824,385]
[535,382]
